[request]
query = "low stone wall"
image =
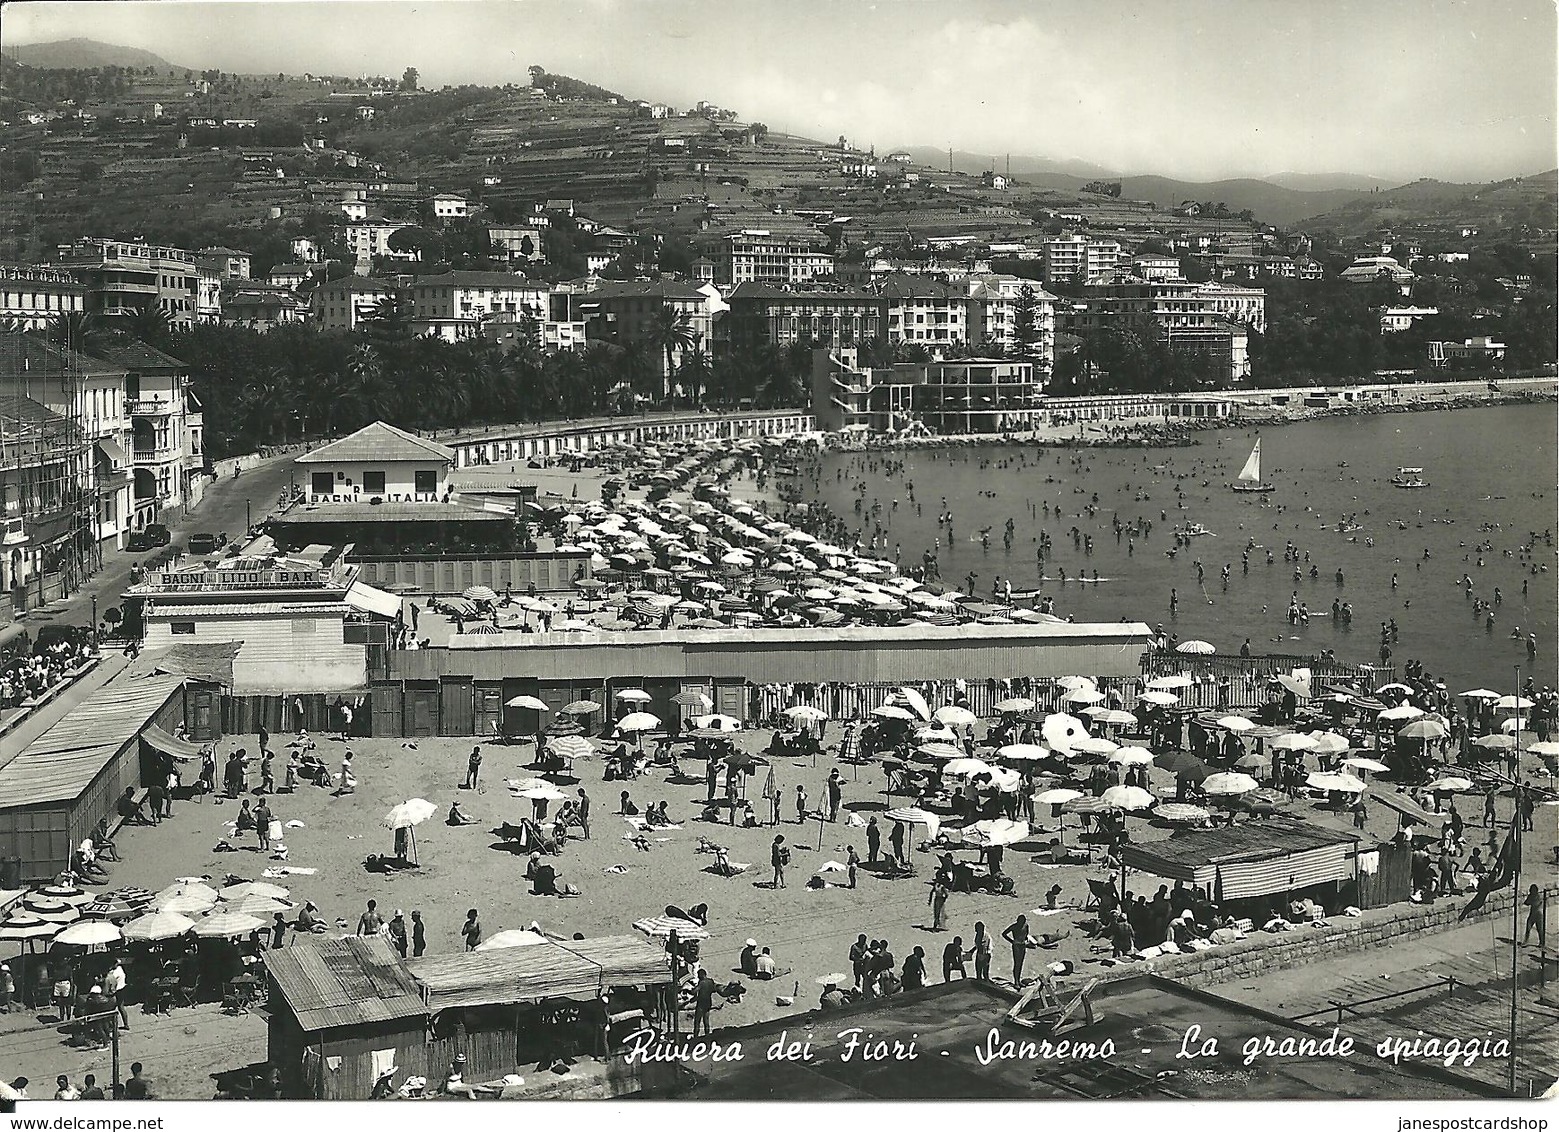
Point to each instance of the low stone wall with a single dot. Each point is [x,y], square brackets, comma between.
[1261,952]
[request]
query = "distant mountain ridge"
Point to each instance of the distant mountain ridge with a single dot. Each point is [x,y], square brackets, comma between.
[84,54]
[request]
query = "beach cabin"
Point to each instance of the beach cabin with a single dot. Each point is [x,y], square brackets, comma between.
[63,770]
[341,1012]
[1273,858]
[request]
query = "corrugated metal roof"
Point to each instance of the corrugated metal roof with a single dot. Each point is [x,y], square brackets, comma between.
[165,610]
[378,442]
[61,763]
[344,982]
[1253,841]
[524,974]
[390,513]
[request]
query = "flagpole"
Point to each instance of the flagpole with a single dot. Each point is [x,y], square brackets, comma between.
[1515,889]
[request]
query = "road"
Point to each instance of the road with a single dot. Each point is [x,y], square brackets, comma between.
[222,508]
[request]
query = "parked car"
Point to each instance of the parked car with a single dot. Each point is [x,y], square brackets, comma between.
[203,543]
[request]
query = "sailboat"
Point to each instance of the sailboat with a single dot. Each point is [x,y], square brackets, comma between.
[1249,479]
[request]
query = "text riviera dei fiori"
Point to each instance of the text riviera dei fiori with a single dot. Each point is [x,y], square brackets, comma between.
[859,1045]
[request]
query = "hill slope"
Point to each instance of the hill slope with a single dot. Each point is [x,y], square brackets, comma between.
[1528,201]
[81,54]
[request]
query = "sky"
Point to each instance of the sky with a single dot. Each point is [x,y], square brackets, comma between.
[1199,89]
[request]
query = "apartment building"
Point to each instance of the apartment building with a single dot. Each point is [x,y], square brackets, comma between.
[345,304]
[760,256]
[994,305]
[369,240]
[924,311]
[453,306]
[1195,318]
[41,499]
[631,312]
[963,397]
[33,297]
[764,314]
[166,428]
[1077,259]
[229,264]
[123,277]
[517,242]
[1244,305]
[91,395]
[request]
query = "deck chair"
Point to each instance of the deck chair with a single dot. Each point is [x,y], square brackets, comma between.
[1101,894]
[1053,1015]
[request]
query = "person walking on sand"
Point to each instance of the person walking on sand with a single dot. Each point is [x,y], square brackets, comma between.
[473,768]
[801,805]
[938,902]
[779,856]
[582,811]
[835,794]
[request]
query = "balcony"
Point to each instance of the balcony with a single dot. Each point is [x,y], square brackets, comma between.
[156,453]
[150,407]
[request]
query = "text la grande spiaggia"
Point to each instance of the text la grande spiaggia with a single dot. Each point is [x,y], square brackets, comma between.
[855,1044]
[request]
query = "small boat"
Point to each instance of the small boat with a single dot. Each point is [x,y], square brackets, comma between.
[1409,477]
[1249,479]
[1192,530]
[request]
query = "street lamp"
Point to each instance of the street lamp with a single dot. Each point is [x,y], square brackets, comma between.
[248,518]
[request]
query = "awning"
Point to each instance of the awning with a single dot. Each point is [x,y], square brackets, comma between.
[160,740]
[1409,809]
[372,600]
[111,451]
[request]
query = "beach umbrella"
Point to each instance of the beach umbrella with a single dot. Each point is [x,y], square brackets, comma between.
[936,750]
[571,747]
[1227,783]
[1127,798]
[717,722]
[892,711]
[1345,783]
[89,933]
[67,894]
[409,813]
[955,716]
[26,927]
[529,703]
[1084,696]
[132,894]
[1401,712]
[580,707]
[1423,729]
[157,925]
[1131,756]
[1329,743]
[1059,796]
[1546,749]
[1167,683]
[1076,683]
[1162,699]
[1513,724]
[479,594]
[1513,703]
[1480,694]
[589,585]
[936,733]
[1253,761]
[965,767]
[1111,717]
[191,904]
[546,792]
[1181,813]
[1236,723]
[1182,764]
[1385,689]
[1061,732]
[1369,765]
[1086,804]
[263,906]
[110,907]
[914,815]
[226,925]
[1451,784]
[995,831]
[1293,742]
[916,702]
[634,696]
[659,927]
[696,700]
[1195,648]
[1015,703]
[56,910]
[1002,778]
[1094,745]
[514,937]
[1300,688]
[1494,742]
[805,713]
[637,721]
[1022,752]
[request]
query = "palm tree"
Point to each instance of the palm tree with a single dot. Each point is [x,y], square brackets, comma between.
[671,332]
[694,376]
[150,324]
[82,331]
[390,323]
